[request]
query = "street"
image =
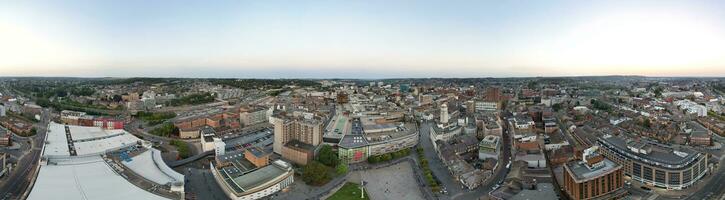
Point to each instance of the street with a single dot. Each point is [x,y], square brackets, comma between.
[454,188]
[20,178]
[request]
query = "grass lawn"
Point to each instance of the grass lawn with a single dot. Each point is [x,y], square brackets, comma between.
[348,191]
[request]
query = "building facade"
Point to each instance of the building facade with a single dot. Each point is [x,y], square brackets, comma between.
[593,177]
[308,131]
[489,106]
[257,184]
[251,116]
[655,164]
[489,147]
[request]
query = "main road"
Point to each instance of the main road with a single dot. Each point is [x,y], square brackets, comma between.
[18,181]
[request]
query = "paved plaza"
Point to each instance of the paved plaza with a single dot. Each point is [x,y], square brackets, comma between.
[395,182]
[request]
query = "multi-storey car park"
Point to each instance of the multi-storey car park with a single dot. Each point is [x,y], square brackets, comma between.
[655,164]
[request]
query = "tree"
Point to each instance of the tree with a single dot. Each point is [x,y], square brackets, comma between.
[556,107]
[646,123]
[182,148]
[373,159]
[658,91]
[341,168]
[397,154]
[165,130]
[117,98]
[387,157]
[504,104]
[327,156]
[314,173]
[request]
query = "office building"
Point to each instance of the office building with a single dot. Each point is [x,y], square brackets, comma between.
[303,130]
[487,106]
[244,181]
[493,94]
[5,139]
[489,147]
[252,115]
[655,164]
[257,156]
[593,177]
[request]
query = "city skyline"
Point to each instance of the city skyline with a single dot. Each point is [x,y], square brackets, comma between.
[356,39]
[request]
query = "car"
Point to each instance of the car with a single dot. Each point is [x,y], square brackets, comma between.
[645,188]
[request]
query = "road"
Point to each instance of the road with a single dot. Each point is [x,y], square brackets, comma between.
[715,188]
[20,178]
[201,185]
[454,188]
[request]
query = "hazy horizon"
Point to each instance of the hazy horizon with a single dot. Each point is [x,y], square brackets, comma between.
[362,39]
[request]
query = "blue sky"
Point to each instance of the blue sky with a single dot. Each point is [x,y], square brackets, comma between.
[365,39]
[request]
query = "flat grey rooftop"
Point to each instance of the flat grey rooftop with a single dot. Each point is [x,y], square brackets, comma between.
[353,141]
[660,153]
[258,177]
[543,191]
[581,172]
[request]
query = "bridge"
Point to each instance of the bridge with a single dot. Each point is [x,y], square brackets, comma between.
[190,159]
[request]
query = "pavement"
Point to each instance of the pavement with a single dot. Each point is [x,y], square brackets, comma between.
[392,182]
[300,190]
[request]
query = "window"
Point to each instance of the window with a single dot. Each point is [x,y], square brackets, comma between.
[660,176]
[647,174]
[674,178]
[686,176]
[636,170]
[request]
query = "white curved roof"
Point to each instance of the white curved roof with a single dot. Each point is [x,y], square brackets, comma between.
[150,166]
[88,180]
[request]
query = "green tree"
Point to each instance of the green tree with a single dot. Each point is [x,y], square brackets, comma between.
[646,123]
[327,156]
[341,168]
[165,130]
[182,148]
[373,159]
[556,107]
[658,91]
[387,157]
[315,173]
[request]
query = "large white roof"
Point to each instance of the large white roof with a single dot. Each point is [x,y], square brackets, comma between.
[100,146]
[85,176]
[88,180]
[56,144]
[150,166]
[87,140]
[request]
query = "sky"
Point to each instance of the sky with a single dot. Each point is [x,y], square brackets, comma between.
[361,39]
